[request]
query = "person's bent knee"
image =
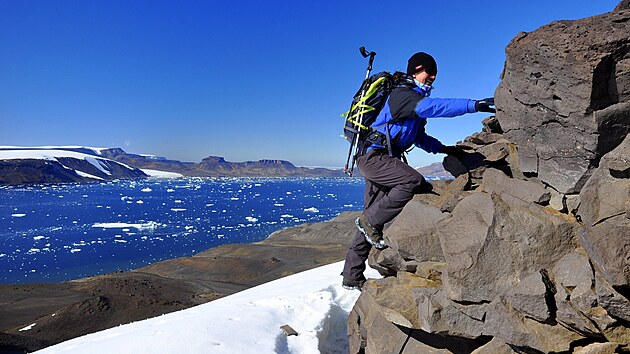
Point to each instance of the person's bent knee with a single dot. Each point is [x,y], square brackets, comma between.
[412,186]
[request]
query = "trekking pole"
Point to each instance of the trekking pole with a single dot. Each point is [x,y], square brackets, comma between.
[355,141]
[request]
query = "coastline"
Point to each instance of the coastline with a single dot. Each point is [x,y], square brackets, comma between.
[61,311]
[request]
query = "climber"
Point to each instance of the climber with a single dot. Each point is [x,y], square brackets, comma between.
[389,182]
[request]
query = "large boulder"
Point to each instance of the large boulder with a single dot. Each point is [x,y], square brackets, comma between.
[606,194]
[511,326]
[490,254]
[496,181]
[415,237]
[378,324]
[564,96]
[605,199]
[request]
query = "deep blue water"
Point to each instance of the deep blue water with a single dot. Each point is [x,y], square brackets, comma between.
[61,232]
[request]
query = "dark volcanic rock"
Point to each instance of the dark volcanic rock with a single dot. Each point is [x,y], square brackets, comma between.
[604,203]
[60,165]
[495,181]
[63,170]
[623,5]
[535,230]
[35,171]
[607,192]
[564,96]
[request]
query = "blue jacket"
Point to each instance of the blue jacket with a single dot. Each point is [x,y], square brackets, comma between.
[406,111]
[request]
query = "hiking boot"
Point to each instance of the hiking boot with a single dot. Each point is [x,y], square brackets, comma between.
[349,284]
[372,235]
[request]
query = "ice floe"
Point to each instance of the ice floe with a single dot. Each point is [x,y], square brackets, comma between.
[151,225]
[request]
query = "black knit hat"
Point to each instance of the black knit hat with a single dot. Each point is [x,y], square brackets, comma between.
[421,61]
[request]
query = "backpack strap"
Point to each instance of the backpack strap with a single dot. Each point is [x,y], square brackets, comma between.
[389,142]
[386,140]
[403,102]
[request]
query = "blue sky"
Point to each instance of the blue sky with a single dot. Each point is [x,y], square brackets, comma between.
[246,80]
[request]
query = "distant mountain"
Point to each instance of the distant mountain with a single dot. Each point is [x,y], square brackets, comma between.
[61,164]
[434,171]
[58,164]
[216,166]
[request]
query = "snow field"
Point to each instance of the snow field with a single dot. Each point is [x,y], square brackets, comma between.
[312,302]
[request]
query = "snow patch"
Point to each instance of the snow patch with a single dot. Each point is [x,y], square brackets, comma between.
[28,328]
[312,302]
[162,174]
[98,164]
[87,175]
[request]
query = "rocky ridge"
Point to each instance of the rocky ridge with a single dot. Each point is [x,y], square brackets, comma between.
[527,250]
[216,166]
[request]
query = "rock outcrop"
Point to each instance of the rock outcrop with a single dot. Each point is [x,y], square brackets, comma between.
[569,82]
[528,249]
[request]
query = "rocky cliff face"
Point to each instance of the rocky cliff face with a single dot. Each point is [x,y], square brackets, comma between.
[568,82]
[528,249]
[60,165]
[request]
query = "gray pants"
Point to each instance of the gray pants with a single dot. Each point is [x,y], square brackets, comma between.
[389,185]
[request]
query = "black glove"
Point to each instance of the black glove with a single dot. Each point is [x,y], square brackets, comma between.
[452,151]
[484,105]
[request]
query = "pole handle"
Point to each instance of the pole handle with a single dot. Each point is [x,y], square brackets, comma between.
[371,60]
